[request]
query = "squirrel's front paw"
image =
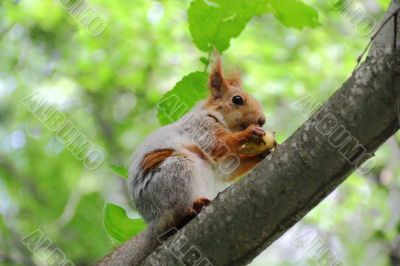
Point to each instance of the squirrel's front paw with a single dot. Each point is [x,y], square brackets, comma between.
[263,148]
[254,133]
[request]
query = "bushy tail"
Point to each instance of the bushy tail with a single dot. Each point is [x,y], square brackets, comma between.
[135,250]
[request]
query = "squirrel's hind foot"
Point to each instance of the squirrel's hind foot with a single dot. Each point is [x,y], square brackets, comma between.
[200,203]
[188,216]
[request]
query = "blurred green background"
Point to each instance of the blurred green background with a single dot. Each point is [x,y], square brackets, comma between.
[109,85]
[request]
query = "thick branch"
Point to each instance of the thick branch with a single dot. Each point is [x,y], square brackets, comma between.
[247,217]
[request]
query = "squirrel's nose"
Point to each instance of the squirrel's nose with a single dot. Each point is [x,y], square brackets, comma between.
[261,121]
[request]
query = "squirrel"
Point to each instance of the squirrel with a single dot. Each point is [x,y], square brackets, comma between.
[181,167]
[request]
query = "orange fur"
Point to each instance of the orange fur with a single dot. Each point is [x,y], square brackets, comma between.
[155,158]
[230,143]
[234,79]
[200,203]
[237,117]
[182,219]
[195,149]
[247,162]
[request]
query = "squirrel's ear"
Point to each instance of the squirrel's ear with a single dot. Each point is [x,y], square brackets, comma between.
[217,82]
[234,79]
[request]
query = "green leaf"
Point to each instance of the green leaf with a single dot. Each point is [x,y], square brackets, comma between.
[119,170]
[182,97]
[263,7]
[398,226]
[204,60]
[379,235]
[294,13]
[118,225]
[213,23]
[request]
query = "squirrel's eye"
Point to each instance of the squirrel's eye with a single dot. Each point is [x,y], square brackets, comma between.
[237,100]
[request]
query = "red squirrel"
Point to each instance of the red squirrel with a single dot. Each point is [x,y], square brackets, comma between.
[181,167]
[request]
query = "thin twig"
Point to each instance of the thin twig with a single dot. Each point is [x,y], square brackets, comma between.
[208,60]
[374,36]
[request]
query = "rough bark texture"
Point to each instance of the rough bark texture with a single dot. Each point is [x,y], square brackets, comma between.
[251,214]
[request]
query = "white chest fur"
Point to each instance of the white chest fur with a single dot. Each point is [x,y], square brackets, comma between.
[205,181]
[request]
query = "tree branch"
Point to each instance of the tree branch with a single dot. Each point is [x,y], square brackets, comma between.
[251,214]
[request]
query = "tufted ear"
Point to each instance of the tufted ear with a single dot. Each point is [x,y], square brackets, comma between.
[234,79]
[217,82]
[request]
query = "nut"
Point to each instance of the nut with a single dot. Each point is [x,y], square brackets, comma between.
[267,145]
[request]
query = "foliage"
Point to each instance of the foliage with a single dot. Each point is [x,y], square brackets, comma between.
[214,23]
[119,170]
[118,225]
[182,97]
[294,13]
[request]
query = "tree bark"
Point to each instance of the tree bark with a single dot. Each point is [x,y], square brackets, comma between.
[251,214]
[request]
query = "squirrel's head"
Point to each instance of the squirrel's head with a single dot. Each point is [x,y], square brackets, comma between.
[227,97]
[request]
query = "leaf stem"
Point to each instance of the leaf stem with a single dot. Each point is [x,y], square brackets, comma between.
[208,60]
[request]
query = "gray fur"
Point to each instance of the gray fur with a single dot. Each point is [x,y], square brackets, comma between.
[133,251]
[166,191]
